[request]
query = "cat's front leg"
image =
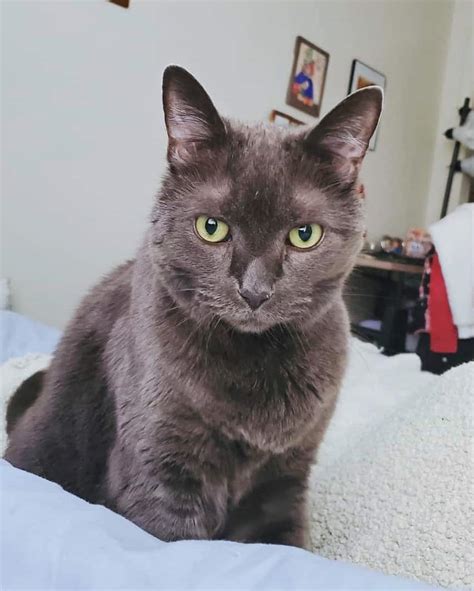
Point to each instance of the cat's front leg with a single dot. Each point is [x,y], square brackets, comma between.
[275,511]
[171,495]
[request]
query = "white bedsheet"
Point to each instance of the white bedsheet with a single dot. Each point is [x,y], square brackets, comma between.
[20,335]
[53,540]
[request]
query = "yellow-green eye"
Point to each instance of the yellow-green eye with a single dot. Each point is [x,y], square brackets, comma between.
[211,229]
[306,236]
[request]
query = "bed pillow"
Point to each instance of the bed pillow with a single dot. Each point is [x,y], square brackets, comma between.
[401,500]
[19,335]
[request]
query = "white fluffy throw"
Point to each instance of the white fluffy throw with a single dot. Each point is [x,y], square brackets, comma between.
[12,373]
[401,500]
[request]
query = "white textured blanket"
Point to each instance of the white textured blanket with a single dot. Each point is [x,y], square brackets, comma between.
[12,373]
[400,500]
[391,488]
[452,235]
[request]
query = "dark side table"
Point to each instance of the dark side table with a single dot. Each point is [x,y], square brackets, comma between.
[394,317]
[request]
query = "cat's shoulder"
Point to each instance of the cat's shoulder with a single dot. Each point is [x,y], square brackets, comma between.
[117,282]
[107,301]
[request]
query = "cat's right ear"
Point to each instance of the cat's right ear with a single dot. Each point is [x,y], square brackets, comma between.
[192,121]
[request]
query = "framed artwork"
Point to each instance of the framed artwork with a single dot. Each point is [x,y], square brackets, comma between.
[363,75]
[284,120]
[308,76]
[123,3]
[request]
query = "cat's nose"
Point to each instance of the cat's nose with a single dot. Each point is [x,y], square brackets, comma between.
[255,298]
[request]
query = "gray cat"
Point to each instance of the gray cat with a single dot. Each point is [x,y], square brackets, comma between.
[194,384]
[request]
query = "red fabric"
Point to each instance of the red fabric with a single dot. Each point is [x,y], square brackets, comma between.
[444,334]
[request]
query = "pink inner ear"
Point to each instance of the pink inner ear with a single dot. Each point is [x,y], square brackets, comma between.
[189,152]
[182,151]
[345,145]
[188,126]
[361,191]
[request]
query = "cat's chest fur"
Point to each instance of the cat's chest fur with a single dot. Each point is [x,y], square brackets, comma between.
[264,392]
[221,410]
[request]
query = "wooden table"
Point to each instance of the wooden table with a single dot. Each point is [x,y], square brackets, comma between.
[394,326]
[367,260]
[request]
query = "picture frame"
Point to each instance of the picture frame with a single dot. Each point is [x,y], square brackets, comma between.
[122,3]
[361,76]
[283,120]
[308,77]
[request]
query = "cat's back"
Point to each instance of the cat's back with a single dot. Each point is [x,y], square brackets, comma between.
[72,421]
[86,336]
[108,300]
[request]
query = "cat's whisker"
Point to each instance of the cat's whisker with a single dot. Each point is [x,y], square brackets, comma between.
[294,333]
[211,332]
[187,289]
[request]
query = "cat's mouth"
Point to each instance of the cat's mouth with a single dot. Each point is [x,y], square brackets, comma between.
[253,327]
[256,321]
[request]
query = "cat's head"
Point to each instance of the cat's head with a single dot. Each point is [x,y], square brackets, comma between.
[258,225]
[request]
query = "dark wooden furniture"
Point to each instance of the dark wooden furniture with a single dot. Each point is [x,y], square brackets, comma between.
[371,262]
[387,285]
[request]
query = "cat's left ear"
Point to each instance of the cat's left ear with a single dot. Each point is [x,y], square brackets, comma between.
[345,132]
[192,121]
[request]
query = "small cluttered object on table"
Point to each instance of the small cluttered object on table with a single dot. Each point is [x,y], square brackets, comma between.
[416,245]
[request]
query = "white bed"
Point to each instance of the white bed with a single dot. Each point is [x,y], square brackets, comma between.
[53,540]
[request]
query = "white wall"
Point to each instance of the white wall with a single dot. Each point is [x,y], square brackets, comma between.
[83,136]
[458,84]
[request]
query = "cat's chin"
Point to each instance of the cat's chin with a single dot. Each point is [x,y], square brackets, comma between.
[253,325]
